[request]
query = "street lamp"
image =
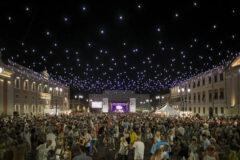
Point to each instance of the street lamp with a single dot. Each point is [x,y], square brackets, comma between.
[159,98]
[56,100]
[181,91]
[79,97]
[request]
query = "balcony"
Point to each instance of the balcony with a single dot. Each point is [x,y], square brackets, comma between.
[46,96]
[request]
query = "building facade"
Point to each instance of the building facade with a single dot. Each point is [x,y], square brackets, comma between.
[24,91]
[213,93]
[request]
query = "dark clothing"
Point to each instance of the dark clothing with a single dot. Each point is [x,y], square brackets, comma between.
[82,157]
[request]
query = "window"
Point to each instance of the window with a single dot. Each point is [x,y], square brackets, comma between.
[33,108]
[194,109]
[198,83]
[25,84]
[25,97]
[39,88]
[25,109]
[33,86]
[203,110]
[221,93]
[203,97]
[222,110]
[210,96]
[203,81]
[190,109]
[209,80]
[216,94]
[17,82]
[39,109]
[194,97]
[185,99]
[45,89]
[216,110]
[221,77]
[199,97]
[194,84]
[199,109]
[189,85]
[215,79]
[17,108]
[17,96]
[189,99]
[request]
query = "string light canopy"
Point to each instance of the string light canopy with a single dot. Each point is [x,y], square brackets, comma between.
[120,45]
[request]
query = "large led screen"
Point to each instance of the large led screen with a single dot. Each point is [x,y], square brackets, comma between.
[96,104]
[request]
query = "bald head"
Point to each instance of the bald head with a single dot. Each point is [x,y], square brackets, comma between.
[138,138]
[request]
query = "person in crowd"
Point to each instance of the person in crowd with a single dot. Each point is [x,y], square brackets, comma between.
[138,147]
[210,154]
[123,150]
[51,137]
[133,136]
[158,155]
[82,155]
[87,139]
[157,139]
[193,149]
[206,142]
[126,135]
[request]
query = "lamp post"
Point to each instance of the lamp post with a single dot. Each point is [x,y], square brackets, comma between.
[57,89]
[182,93]
[160,98]
[50,89]
[79,97]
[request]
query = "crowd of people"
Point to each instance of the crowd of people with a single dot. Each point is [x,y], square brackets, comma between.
[118,136]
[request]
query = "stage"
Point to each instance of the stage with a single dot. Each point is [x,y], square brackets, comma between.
[119,107]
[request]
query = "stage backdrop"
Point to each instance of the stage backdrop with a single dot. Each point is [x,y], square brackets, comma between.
[132,104]
[105,105]
[119,107]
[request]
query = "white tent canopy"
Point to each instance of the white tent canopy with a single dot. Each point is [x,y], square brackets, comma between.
[167,110]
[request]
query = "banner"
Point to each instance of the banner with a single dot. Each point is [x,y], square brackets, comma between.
[132,104]
[105,105]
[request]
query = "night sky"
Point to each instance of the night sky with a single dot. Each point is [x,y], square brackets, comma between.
[145,46]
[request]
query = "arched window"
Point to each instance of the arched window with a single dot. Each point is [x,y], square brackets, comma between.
[45,90]
[25,109]
[40,87]
[33,86]
[33,108]
[39,109]
[17,108]
[17,82]
[26,85]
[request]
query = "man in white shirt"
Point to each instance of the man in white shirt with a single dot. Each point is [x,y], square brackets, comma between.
[181,130]
[138,147]
[206,142]
[51,137]
[87,139]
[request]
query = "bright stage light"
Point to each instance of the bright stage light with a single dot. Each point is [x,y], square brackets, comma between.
[118,107]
